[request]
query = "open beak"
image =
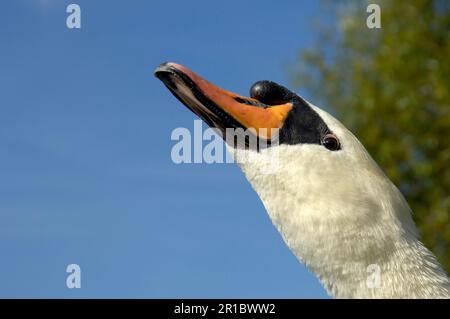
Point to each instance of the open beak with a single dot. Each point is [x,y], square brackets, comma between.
[219,108]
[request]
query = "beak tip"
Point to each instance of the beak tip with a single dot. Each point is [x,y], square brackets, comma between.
[163,67]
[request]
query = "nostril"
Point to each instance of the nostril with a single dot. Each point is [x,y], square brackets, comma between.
[271,93]
[250,102]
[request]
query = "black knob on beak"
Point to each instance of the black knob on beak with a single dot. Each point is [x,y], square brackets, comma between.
[271,93]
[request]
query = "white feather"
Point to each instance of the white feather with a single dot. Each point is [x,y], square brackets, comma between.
[339,213]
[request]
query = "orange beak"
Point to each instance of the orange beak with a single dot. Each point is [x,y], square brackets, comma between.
[216,105]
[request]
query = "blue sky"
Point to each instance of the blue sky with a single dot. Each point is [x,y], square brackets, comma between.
[85,170]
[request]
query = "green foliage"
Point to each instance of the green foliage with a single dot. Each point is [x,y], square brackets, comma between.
[391,87]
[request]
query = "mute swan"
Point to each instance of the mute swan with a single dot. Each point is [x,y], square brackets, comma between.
[334,207]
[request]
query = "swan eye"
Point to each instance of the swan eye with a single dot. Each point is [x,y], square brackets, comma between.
[331,142]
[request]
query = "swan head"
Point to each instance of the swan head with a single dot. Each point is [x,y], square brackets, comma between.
[332,204]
